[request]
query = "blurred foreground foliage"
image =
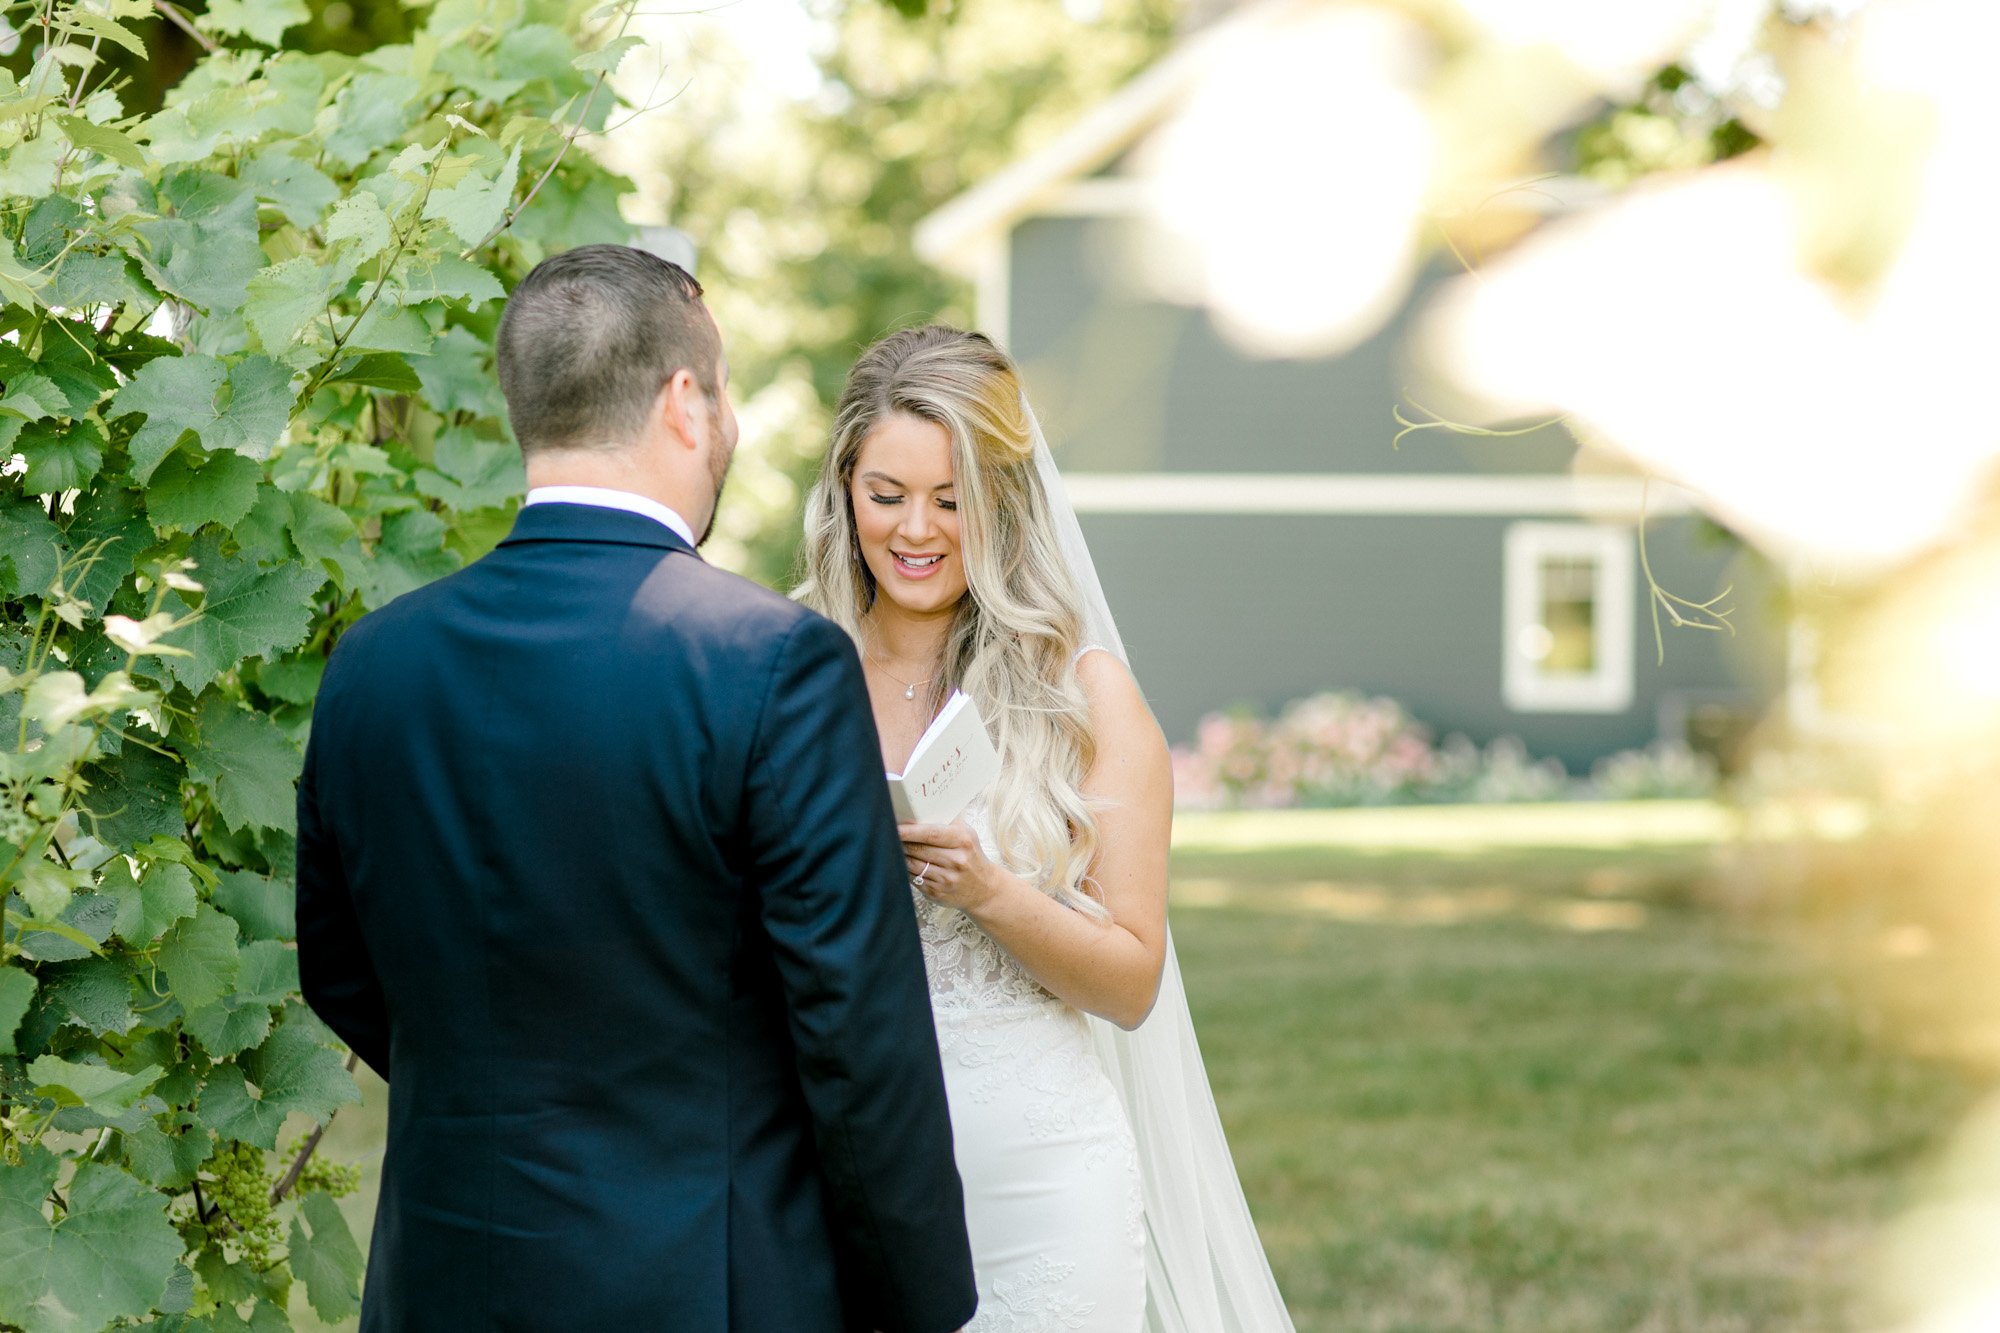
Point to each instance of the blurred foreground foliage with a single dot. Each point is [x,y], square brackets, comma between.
[247,394]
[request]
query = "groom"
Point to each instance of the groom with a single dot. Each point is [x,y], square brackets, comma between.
[596,865]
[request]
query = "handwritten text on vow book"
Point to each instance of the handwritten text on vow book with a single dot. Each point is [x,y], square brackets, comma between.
[953,762]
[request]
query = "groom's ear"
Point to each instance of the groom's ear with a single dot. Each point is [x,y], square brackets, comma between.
[679,399]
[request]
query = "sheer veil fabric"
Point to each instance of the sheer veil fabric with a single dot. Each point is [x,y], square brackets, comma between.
[1205,1266]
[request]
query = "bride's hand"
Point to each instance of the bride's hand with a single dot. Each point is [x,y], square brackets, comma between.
[947,863]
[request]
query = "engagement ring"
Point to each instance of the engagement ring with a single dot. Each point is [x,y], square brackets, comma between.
[918,882]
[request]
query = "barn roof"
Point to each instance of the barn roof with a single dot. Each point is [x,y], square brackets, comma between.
[955,235]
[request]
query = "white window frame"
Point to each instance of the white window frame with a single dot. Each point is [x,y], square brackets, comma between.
[1607,689]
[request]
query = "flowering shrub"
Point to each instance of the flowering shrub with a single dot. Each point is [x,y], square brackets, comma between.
[1343,749]
[1661,771]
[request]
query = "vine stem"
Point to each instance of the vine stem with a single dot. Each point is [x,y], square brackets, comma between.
[569,140]
[388,267]
[173,14]
[290,1179]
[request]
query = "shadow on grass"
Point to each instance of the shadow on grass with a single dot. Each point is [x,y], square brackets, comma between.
[1533,1089]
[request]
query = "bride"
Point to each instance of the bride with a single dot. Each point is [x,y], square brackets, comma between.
[1100,1195]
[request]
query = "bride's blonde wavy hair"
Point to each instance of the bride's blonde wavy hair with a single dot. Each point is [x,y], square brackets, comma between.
[1014,636]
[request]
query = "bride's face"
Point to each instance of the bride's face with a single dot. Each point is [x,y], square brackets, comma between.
[906,514]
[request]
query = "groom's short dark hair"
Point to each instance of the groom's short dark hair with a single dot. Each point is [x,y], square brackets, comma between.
[588,338]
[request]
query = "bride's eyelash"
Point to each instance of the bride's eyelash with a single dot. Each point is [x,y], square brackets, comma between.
[949,505]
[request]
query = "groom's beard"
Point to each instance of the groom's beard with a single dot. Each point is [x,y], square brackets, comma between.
[719,473]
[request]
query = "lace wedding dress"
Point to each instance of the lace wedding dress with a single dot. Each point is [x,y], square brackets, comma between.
[1051,1170]
[1100,1192]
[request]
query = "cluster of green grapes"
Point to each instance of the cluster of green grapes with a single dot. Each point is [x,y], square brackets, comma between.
[241,1192]
[321,1173]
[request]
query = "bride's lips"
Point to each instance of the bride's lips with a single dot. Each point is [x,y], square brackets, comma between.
[927,566]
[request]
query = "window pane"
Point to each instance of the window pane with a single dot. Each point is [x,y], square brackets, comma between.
[1569,614]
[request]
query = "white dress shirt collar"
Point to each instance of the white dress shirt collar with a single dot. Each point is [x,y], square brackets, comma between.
[606,498]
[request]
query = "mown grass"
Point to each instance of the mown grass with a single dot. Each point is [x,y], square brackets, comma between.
[1544,1089]
[1473,1083]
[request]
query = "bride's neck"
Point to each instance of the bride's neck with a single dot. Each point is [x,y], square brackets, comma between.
[899,636]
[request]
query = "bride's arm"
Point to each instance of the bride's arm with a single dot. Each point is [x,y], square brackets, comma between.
[1109,968]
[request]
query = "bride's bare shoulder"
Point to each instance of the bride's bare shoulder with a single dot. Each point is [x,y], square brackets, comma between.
[1124,725]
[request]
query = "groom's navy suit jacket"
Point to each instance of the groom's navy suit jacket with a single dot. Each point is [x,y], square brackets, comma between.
[596,865]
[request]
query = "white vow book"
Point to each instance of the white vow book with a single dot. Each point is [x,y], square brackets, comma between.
[953,762]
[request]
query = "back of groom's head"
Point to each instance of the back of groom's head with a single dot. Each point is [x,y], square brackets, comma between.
[588,338]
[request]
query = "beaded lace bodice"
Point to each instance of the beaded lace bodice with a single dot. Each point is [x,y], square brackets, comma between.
[968,969]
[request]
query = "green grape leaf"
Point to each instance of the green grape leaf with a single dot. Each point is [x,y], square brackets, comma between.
[373,112]
[383,370]
[262,21]
[108,531]
[200,957]
[446,277]
[471,473]
[474,206]
[173,393]
[293,1071]
[248,762]
[286,298]
[410,554]
[33,396]
[84,925]
[104,140]
[91,993]
[293,681]
[458,377]
[99,26]
[86,279]
[326,1258]
[18,282]
[537,51]
[167,1158]
[74,367]
[324,532]
[244,407]
[60,457]
[148,905]
[263,907]
[228,1027]
[17,991]
[110,1257]
[389,328]
[45,888]
[246,611]
[134,796]
[260,534]
[187,494]
[607,58]
[359,221]
[207,264]
[292,185]
[230,1284]
[102,1089]
[48,228]
[31,549]
[240,1020]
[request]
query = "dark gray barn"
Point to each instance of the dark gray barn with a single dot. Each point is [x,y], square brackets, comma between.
[1261,537]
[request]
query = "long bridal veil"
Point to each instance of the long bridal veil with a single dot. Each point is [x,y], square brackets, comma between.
[1205,1267]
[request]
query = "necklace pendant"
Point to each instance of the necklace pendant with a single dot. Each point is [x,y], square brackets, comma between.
[910,693]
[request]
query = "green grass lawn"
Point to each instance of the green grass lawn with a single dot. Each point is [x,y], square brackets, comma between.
[1484,1073]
